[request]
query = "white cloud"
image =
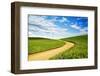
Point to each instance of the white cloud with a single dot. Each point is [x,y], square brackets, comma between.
[30,33]
[64,19]
[41,27]
[82,30]
[75,27]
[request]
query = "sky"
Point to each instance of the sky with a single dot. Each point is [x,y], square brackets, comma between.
[56,27]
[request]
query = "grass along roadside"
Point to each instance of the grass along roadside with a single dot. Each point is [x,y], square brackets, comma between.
[50,53]
[80,50]
[36,45]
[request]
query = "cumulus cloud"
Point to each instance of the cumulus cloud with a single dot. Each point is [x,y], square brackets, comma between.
[75,26]
[44,27]
[84,29]
[80,29]
[63,19]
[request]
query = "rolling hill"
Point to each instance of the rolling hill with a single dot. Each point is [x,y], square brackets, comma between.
[36,44]
[80,50]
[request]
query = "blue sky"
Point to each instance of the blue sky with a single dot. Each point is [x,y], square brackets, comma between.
[56,27]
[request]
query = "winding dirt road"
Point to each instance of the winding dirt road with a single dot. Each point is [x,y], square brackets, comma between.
[50,53]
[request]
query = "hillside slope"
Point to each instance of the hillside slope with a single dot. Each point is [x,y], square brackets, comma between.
[36,45]
[80,50]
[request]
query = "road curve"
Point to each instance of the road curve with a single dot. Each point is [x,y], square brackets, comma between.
[50,53]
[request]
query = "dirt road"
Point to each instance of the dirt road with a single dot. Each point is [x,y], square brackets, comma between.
[50,53]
